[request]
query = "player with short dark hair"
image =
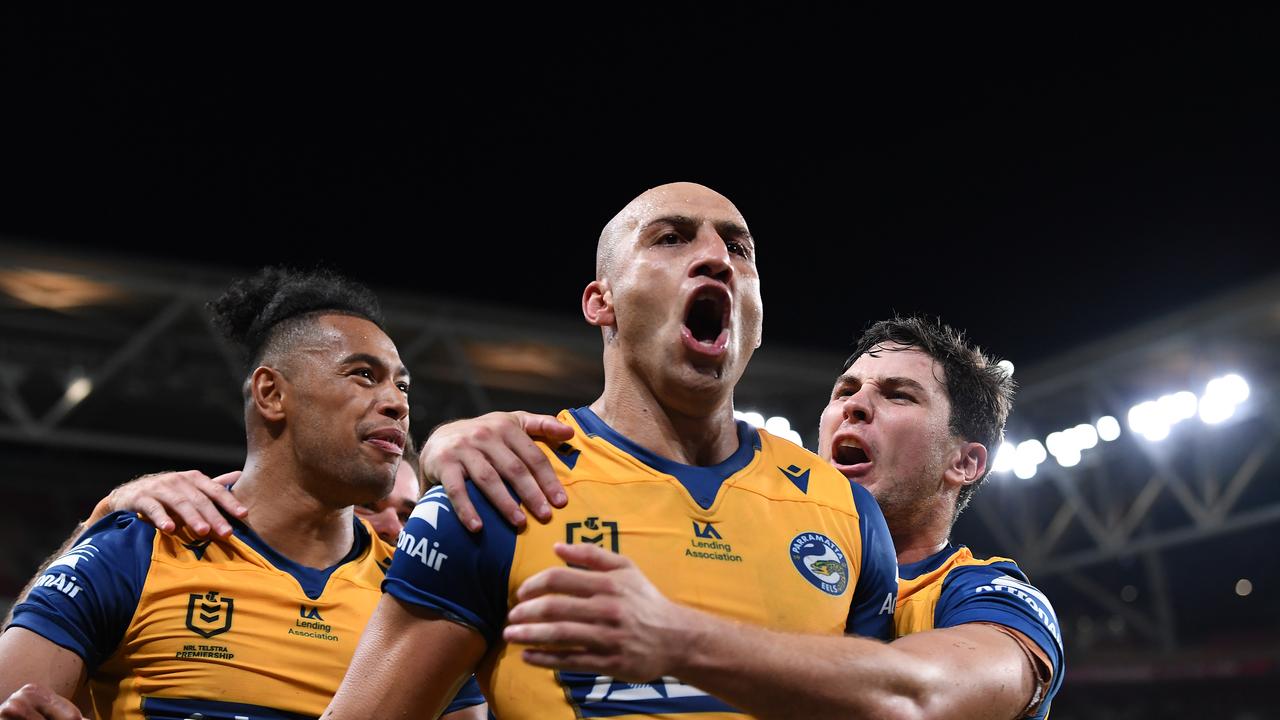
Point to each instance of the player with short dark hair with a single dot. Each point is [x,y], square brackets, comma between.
[261,623]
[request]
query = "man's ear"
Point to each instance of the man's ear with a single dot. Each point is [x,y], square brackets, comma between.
[968,464]
[266,391]
[597,304]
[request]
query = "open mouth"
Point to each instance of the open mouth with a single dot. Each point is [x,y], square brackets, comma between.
[851,455]
[706,320]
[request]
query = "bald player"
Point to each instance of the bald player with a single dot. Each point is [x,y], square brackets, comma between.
[729,521]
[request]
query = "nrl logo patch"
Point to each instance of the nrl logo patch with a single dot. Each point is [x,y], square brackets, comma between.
[208,614]
[593,531]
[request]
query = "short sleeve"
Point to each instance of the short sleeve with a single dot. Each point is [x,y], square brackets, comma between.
[441,566]
[876,593]
[999,593]
[85,600]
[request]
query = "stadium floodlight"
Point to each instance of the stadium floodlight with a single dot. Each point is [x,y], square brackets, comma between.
[1086,437]
[1030,451]
[754,419]
[1221,396]
[1176,407]
[1150,420]
[778,425]
[1108,428]
[1058,443]
[1006,366]
[1004,458]
[78,389]
[1068,459]
[1234,388]
[1024,471]
[1215,409]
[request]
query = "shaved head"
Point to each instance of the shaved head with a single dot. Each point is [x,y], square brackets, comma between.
[641,208]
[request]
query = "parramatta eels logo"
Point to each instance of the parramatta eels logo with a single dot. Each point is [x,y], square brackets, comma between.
[208,614]
[821,562]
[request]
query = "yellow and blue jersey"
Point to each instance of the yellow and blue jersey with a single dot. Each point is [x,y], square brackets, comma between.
[180,627]
[952,587]
[772,536]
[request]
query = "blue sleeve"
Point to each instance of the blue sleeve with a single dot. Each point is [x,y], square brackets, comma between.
[441,566]
[86,599]
[468,696]
[876,594]
[999,593]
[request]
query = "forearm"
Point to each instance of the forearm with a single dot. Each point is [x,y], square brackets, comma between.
[779,675]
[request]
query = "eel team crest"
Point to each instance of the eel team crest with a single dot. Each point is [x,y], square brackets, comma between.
[821,562]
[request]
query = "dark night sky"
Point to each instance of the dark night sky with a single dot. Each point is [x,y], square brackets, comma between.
[1039,180]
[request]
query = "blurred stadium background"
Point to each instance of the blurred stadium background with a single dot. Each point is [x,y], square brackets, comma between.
[1093,198]
[1155,545]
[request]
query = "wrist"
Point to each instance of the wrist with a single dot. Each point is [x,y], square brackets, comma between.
[693,635]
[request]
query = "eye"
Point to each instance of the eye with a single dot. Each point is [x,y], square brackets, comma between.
[404,387]
[364,372]
[669,238]
[738,248]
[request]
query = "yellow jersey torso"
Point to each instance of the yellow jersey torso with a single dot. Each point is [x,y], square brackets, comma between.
[180,627]
[773,536]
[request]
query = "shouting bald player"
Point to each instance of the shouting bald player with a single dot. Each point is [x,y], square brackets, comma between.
[727,520]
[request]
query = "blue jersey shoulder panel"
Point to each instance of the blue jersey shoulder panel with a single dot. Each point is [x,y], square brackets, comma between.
[876,594]
[469,695]
[999,593]
[86,598]
[442,566]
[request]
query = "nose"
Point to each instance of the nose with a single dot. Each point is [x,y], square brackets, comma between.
[858,406]
[392,402]
[712,258]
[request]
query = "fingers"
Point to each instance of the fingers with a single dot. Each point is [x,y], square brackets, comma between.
[566,581]
[33,702]
[560,636]
[153,511]
[516,471]
[487,480]
[216,490]
[548,485]
[455,486]
[596,609]
[543,426]
[189,498]
[591,557]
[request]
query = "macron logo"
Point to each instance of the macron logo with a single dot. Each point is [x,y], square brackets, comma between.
[429,507]
[82,551]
